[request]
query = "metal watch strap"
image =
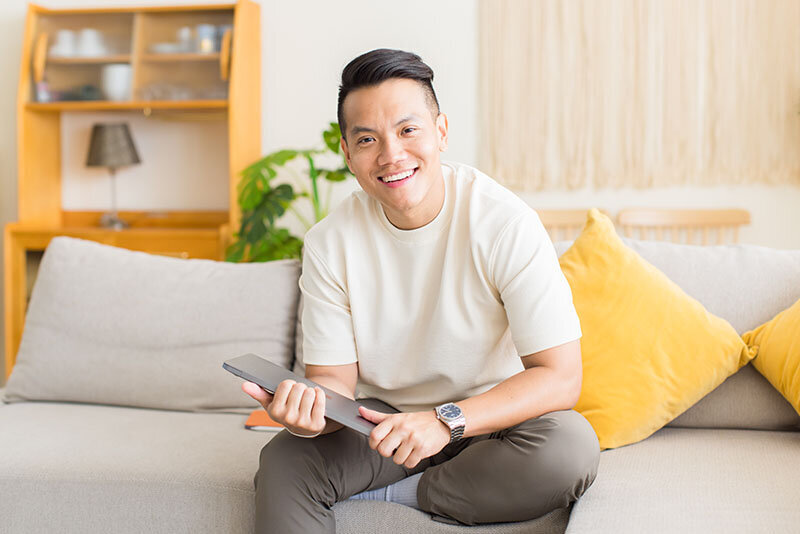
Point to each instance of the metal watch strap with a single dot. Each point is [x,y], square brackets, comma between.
[456,426]
[457,430]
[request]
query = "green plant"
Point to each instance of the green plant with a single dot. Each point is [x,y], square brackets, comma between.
[262,204]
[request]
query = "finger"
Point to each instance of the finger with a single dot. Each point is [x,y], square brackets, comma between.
[253,390]
[257,392]
[306,404]
[294,398]
[318,410]
[390,443]
[379,433]
[402,453]
[282,392]
[413,459]
[277,408]
[372,415]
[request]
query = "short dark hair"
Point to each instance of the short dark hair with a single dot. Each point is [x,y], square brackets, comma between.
[380,65]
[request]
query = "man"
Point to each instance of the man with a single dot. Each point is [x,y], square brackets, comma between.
[438,291]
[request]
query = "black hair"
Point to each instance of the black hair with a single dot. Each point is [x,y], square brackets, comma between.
[382,64]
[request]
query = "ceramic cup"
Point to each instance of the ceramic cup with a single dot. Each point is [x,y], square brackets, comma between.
[186,39]
[116,81]
[65,43]
[90,42]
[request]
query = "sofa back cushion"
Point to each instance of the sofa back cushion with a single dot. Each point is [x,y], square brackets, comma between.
[745,400]
[746,285]
[107,325]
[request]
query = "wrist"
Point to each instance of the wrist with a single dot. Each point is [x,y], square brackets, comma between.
[443,428]
[302,435]
[451,416]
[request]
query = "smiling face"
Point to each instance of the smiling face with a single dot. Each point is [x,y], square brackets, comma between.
[392,146]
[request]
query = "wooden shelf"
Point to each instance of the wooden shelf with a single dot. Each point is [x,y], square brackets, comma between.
[106,105]
[88,60]
[146,219]
[155,58]
[181,234]
[141,9]
[94,233]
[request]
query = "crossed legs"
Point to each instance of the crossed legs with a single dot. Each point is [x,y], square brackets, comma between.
[516,474]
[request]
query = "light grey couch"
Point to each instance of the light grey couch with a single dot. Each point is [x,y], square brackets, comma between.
[119,417]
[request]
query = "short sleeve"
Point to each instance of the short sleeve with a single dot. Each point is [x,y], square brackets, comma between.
[536,295]
[327,324]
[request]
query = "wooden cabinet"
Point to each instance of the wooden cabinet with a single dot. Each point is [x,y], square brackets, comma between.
[175,64]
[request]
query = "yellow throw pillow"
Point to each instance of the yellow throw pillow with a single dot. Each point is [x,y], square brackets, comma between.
[777,347]
[650,351]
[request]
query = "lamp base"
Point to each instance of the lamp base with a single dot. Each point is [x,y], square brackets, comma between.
[112,220]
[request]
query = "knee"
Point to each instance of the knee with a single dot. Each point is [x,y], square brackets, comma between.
[573,451]
[565,455]
[283,458]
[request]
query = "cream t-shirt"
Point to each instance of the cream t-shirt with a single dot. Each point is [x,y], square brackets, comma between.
[439,313]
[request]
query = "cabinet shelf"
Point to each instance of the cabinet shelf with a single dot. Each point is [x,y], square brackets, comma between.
[223,86]
[156,58]
[106,105]
[88,60]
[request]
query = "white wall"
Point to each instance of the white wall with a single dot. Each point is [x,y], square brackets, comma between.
[303,58]
[305,44]
[183,165]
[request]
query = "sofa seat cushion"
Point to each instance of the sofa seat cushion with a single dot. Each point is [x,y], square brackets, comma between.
[371,517]
[76,468]
[695,480]
[82,468]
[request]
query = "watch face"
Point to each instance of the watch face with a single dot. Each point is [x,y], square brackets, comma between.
[450,411]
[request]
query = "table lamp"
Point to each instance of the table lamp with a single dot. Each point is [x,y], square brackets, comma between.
[111,146]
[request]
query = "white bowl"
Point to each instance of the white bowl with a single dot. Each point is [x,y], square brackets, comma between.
[165,48]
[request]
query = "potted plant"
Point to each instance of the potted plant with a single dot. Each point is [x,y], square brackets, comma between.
[262,204]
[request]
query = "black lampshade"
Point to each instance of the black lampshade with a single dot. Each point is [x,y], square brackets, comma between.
[111,145]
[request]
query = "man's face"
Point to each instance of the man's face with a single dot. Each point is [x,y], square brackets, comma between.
[392,145]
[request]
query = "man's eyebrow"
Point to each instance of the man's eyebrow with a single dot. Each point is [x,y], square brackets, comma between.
[363,129]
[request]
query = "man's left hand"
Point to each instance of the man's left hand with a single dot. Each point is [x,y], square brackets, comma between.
[407,438]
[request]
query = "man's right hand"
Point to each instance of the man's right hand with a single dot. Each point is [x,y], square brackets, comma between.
[294,405]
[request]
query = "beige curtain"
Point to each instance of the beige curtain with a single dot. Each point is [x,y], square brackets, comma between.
[613,93]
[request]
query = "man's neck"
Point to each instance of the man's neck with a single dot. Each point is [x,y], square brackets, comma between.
[422,214]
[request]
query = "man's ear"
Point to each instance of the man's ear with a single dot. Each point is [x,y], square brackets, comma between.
[346,152]
[441,128]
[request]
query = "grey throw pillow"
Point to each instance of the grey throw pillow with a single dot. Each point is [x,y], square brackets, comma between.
[107,325]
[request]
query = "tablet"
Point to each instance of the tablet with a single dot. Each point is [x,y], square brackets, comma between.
[337,407]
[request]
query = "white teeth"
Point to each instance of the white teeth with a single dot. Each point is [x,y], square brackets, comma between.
[395,177]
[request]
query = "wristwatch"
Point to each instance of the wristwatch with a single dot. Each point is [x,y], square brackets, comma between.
[451,415]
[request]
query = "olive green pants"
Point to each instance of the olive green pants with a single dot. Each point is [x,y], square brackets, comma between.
[516,474]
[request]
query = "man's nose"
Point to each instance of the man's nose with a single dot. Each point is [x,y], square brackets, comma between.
[392,151]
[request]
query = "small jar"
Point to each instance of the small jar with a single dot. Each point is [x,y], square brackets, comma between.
[205,34]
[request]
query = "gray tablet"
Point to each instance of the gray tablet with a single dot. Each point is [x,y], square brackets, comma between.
[337,407]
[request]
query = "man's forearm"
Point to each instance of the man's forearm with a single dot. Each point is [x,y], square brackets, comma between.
[531,393]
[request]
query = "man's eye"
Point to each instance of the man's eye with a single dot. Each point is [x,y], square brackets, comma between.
[409,129]
[363,140]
